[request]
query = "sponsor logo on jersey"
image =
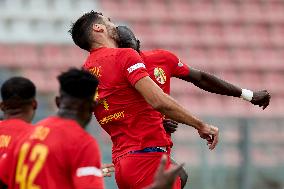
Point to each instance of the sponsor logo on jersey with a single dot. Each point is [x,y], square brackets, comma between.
[5,141]
[110,118]
[135,67]
[160,75]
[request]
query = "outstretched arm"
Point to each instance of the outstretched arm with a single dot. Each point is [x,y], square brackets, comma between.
[213,84]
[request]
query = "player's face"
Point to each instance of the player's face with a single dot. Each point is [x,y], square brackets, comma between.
[111,28]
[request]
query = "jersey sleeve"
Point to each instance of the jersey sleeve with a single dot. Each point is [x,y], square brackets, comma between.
[178,69]
[133,67]
[86,166]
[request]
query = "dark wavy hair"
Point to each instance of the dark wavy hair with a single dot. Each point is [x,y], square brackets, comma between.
[78,83]
[19,88]
[81,29]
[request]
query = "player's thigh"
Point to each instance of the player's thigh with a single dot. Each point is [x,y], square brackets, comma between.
[136,171]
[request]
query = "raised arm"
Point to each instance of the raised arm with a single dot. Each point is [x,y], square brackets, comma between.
[169,107]
[201,79]
[213,84]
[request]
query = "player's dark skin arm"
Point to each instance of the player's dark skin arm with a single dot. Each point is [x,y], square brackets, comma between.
[182,174]
[164,179]
[201,79]
[213,84]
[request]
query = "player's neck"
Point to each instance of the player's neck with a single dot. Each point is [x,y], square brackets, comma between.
[16,115]
[70,114]
[106,43]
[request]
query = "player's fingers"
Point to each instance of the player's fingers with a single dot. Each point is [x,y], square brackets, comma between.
[265,102]
[107,170]
[107,165]
[172,130]
[169,130]
[264,106]
[111,169]
[215,137]
[107,175]
[174,171]
[170,124]
[214,143]
[209,142]
[162,165]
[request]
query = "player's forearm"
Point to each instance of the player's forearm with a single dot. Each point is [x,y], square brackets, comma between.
[165,104]
[169,107]
[213,84]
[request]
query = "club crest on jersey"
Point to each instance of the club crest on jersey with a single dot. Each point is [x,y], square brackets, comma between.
[160,75]
[180,64]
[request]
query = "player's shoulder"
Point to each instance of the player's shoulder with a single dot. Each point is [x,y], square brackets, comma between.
[126,51]
[18,124]
[158,53]
[61,126]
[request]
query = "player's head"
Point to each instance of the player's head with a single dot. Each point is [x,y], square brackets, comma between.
[127,38]
[18,98]
[77,91]
[93,29]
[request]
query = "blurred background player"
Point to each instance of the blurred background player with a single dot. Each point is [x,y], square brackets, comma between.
[19,105]
[135,127]
[58,153]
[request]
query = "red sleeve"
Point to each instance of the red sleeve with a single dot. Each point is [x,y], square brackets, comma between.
[133,67]
[178,69]
[86,166]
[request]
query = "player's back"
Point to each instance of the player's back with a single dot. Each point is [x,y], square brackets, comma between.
[51,154]
[10,130]
[131,122]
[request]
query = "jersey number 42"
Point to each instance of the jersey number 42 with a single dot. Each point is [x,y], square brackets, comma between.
[26,175]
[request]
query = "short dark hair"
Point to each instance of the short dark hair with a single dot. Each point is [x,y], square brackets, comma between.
[78,83]
[81,29]
[18,88]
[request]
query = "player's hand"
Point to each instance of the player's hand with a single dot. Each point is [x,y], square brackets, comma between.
[210,134]
[164,179]
[107,169]
[261,98]
[170,125]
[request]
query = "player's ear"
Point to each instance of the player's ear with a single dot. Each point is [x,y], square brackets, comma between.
[57,101]
[2,106]
[98,27]
[34,104]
